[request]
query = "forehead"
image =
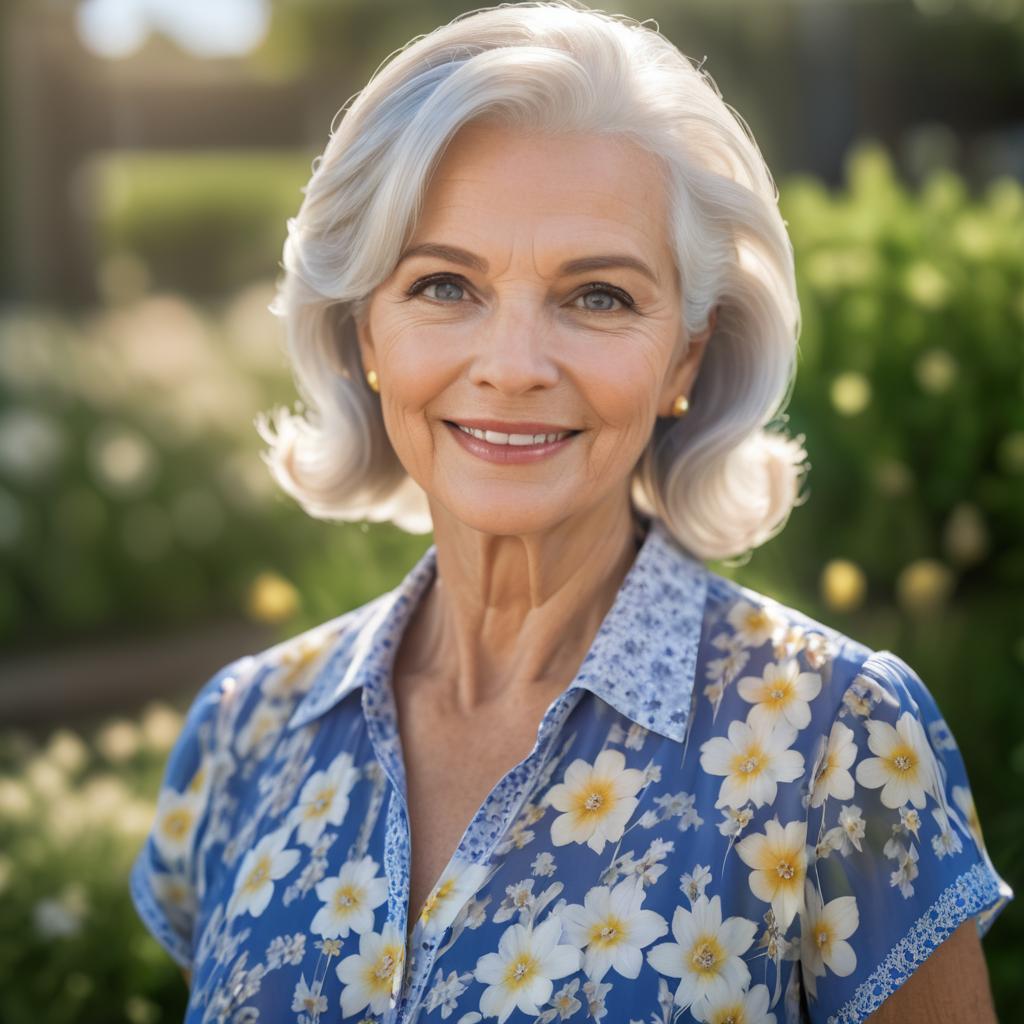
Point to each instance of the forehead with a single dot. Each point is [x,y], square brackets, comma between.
[584,188]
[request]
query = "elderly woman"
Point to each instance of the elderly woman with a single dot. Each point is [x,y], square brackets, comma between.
[540,300]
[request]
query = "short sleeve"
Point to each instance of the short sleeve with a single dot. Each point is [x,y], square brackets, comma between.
[896,857]
[164,880]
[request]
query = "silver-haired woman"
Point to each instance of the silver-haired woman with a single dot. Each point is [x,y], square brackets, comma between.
[540,299]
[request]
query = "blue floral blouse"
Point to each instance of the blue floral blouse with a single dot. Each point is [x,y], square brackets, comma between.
[733,813]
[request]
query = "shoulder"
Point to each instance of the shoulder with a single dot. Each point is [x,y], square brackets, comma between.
[747,633]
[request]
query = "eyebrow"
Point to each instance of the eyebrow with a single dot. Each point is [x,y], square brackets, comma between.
[465,258]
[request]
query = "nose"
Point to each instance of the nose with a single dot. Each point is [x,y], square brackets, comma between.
[513,353]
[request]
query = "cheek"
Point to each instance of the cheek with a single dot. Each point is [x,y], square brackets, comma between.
[620,385]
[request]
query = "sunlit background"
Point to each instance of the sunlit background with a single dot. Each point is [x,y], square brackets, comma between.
[150,152]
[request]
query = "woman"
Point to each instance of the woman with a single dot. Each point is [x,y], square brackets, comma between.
[540,299]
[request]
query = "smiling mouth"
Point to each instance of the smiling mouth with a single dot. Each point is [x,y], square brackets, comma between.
[513,440]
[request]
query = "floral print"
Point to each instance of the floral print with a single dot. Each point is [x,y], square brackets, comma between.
[732,813]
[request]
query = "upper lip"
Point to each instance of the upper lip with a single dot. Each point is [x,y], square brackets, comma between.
[505,427]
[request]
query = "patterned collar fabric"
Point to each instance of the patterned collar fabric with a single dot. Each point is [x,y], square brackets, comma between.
[642,660]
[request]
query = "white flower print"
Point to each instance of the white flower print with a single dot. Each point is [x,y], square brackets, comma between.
[519,900]
[564,1003]
[176,817]
[307,999]
[286,949]
[635,736]
[457,883]
[596,799]
[965,801]
[781,692]
[264,864]
[324,799]
[370,976]
[520,974]
[740,1007]
[446,991]
[754,759]
[293,676]
[613,929]
[543,864]
[265,722]
[778,857]
[735,820]
[946,841]
[349,899]
[824,929]
[853,826]
[595,994]
[907,870]
[832,777]
[694,883]
[754,624]
[904,767]
[707,955]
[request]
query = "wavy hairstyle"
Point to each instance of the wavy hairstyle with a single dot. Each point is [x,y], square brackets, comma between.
[722,482]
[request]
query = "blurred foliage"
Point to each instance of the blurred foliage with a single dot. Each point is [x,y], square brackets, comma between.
[131,493]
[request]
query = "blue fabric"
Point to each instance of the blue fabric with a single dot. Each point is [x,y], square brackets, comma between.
[731,808]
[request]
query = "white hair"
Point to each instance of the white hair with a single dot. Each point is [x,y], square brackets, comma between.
[721,481]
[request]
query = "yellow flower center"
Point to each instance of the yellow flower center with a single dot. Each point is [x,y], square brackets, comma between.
[345,898]
[596,799]
[520,971]
[777,693]
[749,763]
[437,896]
[177,823]
[321,803]
[784,869]
[259,874]
[904,760]
[706,955]
[608,932]
[822,937]
[381,974]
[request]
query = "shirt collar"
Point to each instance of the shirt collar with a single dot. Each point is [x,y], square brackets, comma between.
[643,659]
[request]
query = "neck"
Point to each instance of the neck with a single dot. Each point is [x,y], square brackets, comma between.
[510,617]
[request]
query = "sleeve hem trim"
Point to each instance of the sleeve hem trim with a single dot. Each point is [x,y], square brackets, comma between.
[977,889]
[153,917]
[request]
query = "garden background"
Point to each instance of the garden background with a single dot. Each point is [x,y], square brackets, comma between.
[149,155]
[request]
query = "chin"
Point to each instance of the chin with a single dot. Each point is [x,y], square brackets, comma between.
[504,515]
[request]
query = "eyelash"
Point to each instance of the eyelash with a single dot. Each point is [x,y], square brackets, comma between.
[594,286]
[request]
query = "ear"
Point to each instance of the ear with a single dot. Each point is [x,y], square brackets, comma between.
[366,350]
[683,372]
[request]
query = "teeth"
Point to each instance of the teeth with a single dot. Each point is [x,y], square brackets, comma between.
[495,437]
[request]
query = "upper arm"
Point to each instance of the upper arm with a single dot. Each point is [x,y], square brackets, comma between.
[952,985]
[897,864]
[166,882]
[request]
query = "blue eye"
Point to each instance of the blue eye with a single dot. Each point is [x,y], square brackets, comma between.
[441,282]
[609,292]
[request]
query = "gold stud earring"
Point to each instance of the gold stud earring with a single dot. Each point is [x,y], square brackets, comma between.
[680,406]
[373,381]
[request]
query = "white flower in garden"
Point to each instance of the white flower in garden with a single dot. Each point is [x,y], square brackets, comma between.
[779,859]
[824,929]
[370,976]
[707,955]
[740,1007]
[520,974]
[596,799]
[754,759]
[324,799]
[457,883]
[308,999]
[904,767]
[613,929]
[832,778]
[781,693]
[261,866]
[176,817]
[349,899]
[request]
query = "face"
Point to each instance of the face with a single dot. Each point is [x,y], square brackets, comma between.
[538,295]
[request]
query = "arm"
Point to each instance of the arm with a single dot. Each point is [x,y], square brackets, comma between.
[951,986]
[188,977]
